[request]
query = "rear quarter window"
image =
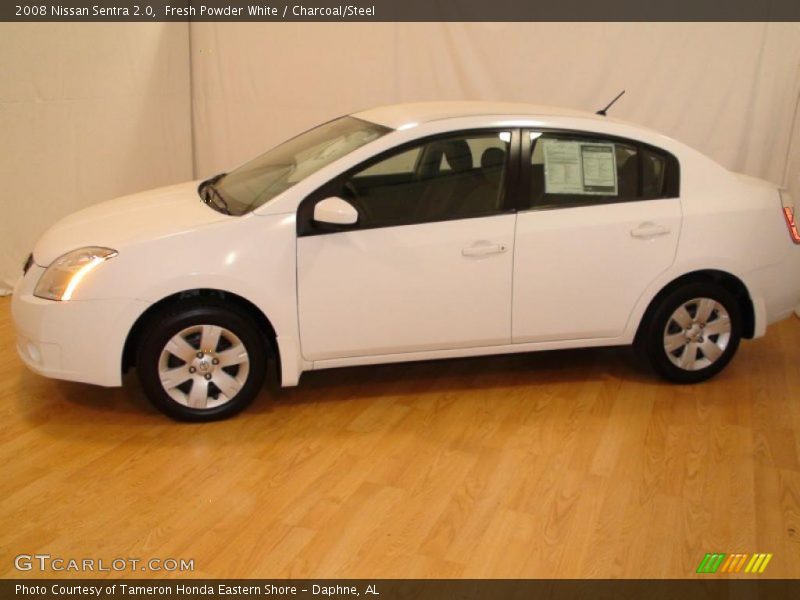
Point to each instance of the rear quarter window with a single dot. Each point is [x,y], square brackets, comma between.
[569,169]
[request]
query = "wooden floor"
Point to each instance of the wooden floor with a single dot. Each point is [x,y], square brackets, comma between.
[558,464]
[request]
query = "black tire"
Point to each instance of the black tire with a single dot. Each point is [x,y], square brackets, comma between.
[177,318]
[651,339]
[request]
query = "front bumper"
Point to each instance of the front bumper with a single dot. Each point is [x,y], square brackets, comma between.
[79,340]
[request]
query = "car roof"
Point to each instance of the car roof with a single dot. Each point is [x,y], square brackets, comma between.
[398,115]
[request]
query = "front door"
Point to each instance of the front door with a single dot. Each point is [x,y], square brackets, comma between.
[428,265]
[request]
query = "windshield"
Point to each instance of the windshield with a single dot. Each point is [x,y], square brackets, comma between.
[257,182]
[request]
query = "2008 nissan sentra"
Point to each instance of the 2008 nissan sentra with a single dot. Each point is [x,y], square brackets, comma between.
[413,232]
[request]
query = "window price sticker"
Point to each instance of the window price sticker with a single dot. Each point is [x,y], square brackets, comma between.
[573,167]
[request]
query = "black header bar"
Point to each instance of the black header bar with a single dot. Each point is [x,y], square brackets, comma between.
[399,10]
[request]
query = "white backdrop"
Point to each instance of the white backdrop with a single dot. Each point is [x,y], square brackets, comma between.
[92,111]
[88,111]
[729,90]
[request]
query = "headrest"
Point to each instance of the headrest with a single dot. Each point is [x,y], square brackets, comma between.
[493,157]
[458,155]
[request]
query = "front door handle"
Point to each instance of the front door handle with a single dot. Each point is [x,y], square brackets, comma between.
[648,230]
[483,249]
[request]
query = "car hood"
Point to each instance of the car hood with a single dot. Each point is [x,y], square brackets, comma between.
[123,221]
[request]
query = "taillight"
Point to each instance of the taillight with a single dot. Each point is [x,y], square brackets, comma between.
[788,214]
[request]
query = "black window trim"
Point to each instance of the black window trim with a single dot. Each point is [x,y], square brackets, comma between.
[672,176]
[512,197]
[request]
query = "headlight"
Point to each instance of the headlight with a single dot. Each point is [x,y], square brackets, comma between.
[65,273]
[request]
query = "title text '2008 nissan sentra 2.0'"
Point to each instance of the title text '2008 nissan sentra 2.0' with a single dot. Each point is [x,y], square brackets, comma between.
[413,232]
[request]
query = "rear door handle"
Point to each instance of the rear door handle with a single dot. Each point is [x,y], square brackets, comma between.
[483,249]
[647,230]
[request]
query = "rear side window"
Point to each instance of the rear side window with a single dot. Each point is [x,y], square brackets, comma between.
[654,169]
[578,170]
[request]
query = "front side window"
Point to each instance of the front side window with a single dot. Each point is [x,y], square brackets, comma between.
[570,170]
[257,182]
[454,177]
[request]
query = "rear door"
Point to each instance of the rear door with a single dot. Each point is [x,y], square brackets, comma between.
[601,221]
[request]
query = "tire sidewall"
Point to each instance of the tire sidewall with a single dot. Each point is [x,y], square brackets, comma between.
[654,336]
[166,325]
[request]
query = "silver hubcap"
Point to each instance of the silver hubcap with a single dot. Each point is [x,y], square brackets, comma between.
[203,366]
[697,334]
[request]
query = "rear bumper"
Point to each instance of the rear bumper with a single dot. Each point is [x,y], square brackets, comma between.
[79,340]
[775,290]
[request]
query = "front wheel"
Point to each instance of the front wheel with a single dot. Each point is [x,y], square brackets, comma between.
[201,361]
[693,333]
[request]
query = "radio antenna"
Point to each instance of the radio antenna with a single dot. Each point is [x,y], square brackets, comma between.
[603,111]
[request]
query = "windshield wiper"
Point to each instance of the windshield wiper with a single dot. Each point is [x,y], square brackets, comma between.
[209,193]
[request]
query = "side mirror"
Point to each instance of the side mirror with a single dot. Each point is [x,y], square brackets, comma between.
[335,211]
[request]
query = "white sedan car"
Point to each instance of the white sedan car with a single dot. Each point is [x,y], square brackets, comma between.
[412,232]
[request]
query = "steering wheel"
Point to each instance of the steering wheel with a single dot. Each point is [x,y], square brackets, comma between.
[354,197]
[351,190]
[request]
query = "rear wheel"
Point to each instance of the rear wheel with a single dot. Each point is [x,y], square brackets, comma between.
[201,361]
[693,333]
